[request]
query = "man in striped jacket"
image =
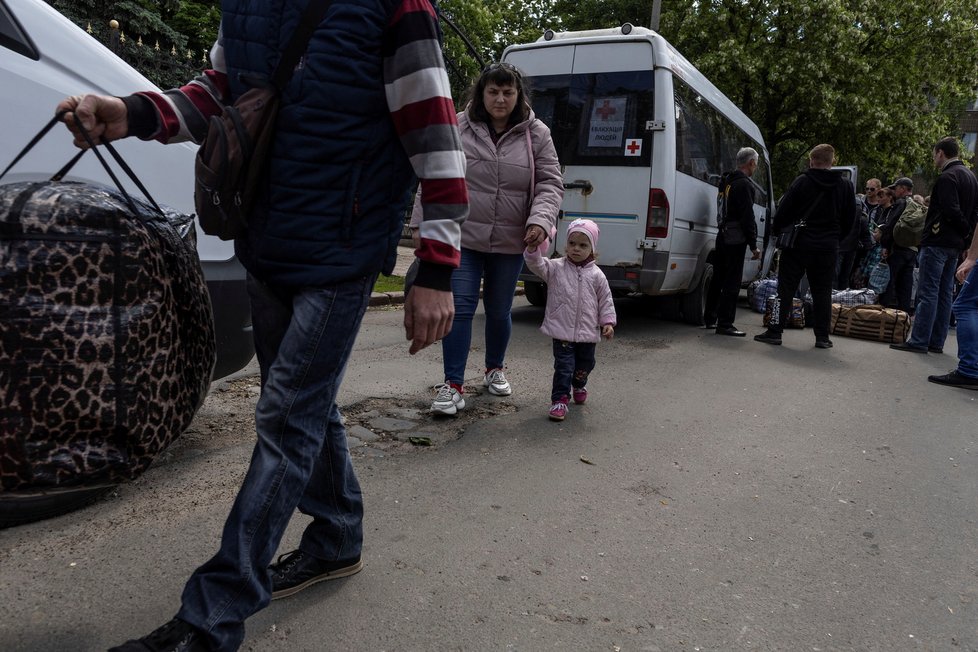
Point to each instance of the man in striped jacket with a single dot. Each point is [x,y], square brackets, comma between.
[367,110]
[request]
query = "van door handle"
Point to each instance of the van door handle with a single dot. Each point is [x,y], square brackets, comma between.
[580,184]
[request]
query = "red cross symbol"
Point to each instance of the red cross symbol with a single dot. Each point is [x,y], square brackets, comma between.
[606,110]
[633,146]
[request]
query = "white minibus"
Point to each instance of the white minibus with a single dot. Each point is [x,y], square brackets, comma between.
[643,138]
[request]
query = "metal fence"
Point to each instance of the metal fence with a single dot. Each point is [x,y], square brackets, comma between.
[165,66]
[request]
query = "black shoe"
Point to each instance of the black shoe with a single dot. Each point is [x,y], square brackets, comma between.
[769,337]
[955,379]
[934,349]
[710,325]
[905,346]
[175,636]
[296,570]
[823,343]
[731,331]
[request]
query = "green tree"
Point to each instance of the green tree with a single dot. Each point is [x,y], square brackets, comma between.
[490,26]
[147,36]
[882,80]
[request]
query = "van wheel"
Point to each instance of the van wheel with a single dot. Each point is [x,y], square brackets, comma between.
[669,307]
[694,302]
[18,508]
[536,293]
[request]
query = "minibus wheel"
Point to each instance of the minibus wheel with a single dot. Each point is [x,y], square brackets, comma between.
[694,302]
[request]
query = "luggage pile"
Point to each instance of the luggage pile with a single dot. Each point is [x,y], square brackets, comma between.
[758,293]
[796,318]
[848,297]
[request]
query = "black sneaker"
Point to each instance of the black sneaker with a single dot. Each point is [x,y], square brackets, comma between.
[904,346]
[934,349]
[175,636]
[296,570]
[955,379]
[769,337]
[823,343]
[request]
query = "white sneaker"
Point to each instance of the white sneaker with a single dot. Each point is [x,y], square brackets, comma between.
[496,381]
[448,400]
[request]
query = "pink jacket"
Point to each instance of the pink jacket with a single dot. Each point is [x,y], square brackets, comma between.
[498,176]
[578,298]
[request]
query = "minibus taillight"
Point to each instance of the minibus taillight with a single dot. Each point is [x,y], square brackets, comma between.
[657,222]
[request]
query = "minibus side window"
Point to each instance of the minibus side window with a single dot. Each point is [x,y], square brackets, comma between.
[706,141]
[597,118]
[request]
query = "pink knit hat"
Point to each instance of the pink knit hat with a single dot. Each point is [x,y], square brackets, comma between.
[588,228]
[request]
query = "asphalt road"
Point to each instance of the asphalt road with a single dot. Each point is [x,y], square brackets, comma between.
[738,497]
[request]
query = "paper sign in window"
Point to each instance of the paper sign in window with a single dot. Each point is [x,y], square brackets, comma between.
[607,126]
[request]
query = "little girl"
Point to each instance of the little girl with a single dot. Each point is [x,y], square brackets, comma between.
[579,311]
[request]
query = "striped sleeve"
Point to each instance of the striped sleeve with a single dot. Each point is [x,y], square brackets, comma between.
[182,114]
[420,103]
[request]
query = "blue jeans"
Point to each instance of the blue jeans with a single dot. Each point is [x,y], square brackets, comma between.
[935,289]
[500,271]
[573,362]
[966,314]
[303,339]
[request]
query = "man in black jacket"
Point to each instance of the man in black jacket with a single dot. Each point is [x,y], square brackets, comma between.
[950,221]
[825,202]
[736,230]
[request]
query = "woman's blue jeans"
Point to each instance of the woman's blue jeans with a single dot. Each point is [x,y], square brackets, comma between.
[303,339]
[935,291]
[966,317]
[497,274]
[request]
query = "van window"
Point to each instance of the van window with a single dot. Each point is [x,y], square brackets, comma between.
[706,141]
[13,37]
[597,118]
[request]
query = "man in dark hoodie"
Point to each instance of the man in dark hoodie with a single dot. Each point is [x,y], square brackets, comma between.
[826,202]
[736,231]
[947,232]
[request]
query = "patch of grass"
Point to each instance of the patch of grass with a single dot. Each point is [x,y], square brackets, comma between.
[389,284]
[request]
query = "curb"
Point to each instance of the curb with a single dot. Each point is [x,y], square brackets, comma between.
[381,299]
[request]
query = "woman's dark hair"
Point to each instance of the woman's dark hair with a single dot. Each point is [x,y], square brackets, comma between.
[501,74]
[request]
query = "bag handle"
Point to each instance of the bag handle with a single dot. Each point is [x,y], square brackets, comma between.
[91,144]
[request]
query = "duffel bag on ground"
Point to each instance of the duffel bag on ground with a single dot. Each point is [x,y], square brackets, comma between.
[762,291]
[872,322]
[796,318]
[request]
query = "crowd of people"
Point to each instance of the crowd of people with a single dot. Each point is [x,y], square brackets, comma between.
[841,240]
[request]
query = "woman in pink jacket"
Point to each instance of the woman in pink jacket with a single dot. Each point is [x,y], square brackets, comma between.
[515,189]
[580,311]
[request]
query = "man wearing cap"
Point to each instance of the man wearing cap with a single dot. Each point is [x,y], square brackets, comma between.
[901,260]
[947,231]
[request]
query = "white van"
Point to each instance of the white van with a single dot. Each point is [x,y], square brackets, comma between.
[642,137]
[44,57]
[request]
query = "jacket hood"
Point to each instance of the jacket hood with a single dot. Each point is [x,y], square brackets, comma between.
[823,178]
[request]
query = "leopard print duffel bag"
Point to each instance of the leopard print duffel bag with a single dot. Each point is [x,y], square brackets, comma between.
[106,334]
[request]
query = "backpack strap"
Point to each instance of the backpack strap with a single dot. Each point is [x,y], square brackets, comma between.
[533,164]
[311,18]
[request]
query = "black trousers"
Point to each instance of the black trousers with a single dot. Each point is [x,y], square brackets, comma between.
[847,260]
[820,267]
[728,271]
[900,291]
